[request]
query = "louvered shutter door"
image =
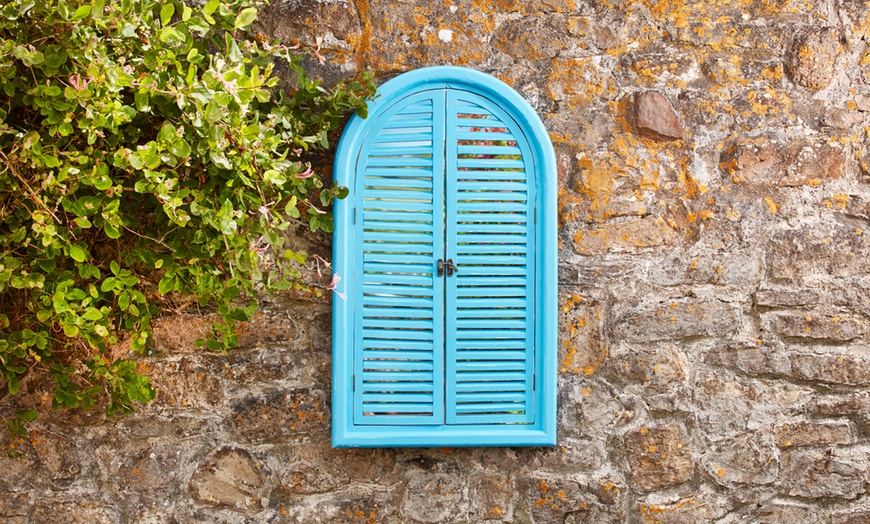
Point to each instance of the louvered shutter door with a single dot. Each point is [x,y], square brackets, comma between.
[398,357]
[454,166]
[490,300]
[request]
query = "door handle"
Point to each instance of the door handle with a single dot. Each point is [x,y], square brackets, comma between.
[447,265]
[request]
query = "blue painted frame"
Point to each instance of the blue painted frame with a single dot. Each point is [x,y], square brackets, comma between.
[543,431]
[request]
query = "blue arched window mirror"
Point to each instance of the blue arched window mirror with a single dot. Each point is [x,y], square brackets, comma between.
[446,248]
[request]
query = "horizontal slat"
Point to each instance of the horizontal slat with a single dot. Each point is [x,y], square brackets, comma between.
[490,163]
[490,376]
[493,218]
[464,229]
[492,366]
[411,280]
[386,377]
[480,270]
[465,186]
[397,398]
[398,324]
[485,136]
[386,183]
[405,387]
[372,237]
[468,174]
[489,334]
[491,292]
[479,122]
[396,408]
[475,207]
[372,204]
[396,289]
[374,226]
[468,250]
[488,150]
[463,280]
[400,334]
[398,263]
[401,150]
[390,366]
[471,354]
[398,162]
[425,267]
[411,194]
[491,397]
[473,387]
[495,196]
[480,303]
[384,354]
[413,120]
[494,345]
[373,173]
[423,219]
[492,237]
[494,260]
[493,407]
[397,301]
[398,312]
[403,135]
[490,323]
[389,247]
[409,345]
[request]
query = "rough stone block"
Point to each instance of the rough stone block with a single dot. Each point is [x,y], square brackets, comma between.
[631,236]
[659,456]
[701,507]
[493,498]
[795,164]
[556,499]
[726,405]
[280,414]
[531,37]
[85,510]
[677,319]
[813,56]
[814,433]
[435,494]
[748,459]
[657,370]
[855,405]
[724,269]
[815,254]
[230,478]
[835,369]
[858,514]
[655,117]
[786,512]
[822,474]
[775,297]
[817,326]
[752,359]
[582,349]
[356,504]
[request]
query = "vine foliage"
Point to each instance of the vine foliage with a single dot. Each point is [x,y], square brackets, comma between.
[147,154]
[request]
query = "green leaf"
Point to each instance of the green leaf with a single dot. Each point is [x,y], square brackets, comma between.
[70,330]
[77,253]
[210,7]
[13,385]
[81,13]
[166,284]
[166,13]
[186,11]
[246,17]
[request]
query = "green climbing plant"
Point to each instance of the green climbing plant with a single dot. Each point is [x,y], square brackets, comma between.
[147,154]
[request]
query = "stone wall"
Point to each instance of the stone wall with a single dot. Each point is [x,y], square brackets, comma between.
[714,293]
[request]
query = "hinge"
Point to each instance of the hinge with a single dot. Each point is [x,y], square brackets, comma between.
[353,381]
[535,216]
[354,215]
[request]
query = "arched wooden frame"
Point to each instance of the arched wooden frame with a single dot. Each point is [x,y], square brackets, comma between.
[444,332]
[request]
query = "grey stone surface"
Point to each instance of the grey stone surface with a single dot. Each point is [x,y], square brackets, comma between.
[714,294]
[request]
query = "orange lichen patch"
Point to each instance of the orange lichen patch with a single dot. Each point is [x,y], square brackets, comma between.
[772,206]
[579,81]
[642,233]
